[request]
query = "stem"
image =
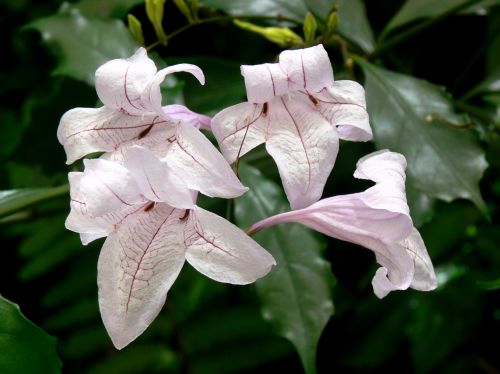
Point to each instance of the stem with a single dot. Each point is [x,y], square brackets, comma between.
[220,19]
[416,29]
[482,115]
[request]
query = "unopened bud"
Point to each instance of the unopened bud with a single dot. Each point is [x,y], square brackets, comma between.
[332,22]
[282,36]
[310,27]
[135,28]
[184,9]
[154,11]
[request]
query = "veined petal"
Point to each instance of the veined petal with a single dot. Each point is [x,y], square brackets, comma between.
[79,220]
[263,82]
[108,187]
[308,68]
[425,277]
[221,251]
[86,130]
[343,105]
[180,113]
[155,179]
[120,82]
[240,128]
[158,140]
[151,96]
[137,266]
[304,146]
[202,167]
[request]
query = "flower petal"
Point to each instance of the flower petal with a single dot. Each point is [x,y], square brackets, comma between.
[151,96]
[202,167]
[304,146]
[308,68]
[263,82]
[120,82]
[155,179]
[221,251]
[240,128]
[425,277]
[343,105]
[108,187]
[79,220]
[86,130]
[137,266]
[180,113]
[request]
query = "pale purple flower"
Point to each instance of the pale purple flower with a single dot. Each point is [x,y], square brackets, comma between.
[148,213]
[297,109]
[132,115]
[132,111]
[378,219]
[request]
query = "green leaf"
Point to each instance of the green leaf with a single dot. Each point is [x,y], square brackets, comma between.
[82,43]
[414,10]
[24,347]
[354,25]
[12,201]
[296,296]
[104,9]
[416,118]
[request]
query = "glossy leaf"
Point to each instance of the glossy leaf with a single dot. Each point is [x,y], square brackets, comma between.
[296,296]
[24,347]
[12,201]
[416,118]
[108,8]
[354,24]
[82,44]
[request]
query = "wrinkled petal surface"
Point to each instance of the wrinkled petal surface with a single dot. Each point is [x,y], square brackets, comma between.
[221,251]
[108,187]
[201,166]
[155,179]
[120,83]
[343,104]
[86,130]
[425,277]
[137,266]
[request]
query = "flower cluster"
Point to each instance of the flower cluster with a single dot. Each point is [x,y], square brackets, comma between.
[141,193]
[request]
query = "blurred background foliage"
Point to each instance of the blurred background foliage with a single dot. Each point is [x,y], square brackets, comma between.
[431,70]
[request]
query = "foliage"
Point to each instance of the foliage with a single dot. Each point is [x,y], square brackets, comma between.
[432,95]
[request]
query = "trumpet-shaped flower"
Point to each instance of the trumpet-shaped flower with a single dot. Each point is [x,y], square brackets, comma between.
[378,219]
[132,115]
[297,109]
[148,213]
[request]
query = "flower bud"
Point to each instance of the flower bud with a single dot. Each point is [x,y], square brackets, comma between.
[184,9]
[282,36]
[135,28]
[310,27]
[154,11]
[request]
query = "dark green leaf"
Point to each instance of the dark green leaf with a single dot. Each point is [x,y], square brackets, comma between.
[24,347]
[108,8]
[82,44]
[354,24]
[296,296]
[12,201]
[416,118]
[421,205]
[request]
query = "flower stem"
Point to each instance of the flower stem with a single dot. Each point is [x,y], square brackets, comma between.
[220,19]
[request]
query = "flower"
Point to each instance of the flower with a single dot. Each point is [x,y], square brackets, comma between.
[378,219]
[298,110]
[132,115]
[153,226]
